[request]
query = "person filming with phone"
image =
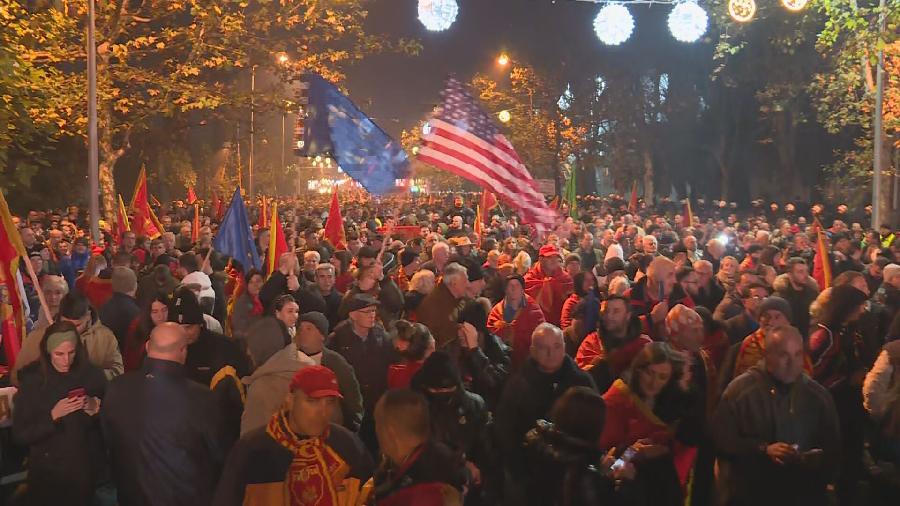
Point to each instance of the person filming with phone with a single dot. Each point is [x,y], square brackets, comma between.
[55,415]
[777,431]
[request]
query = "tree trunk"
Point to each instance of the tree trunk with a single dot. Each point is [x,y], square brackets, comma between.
[648,177]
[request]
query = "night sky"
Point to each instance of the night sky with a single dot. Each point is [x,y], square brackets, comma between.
[556,37]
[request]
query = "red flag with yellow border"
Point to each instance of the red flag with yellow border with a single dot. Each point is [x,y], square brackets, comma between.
[488,202]
[277,242]
[334,227]
[633,201]
[12,308]
[145,222]
[122,224]
[688,214]
[195,226]
[191,196]
[822,261]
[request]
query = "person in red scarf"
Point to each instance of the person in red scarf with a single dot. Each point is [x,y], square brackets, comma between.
[514,319]
[548,284]
[300,457]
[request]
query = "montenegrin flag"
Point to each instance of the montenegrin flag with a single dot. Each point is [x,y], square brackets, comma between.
[12,299]
[277,243]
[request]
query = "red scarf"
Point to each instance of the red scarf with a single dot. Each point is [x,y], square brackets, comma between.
[316,472]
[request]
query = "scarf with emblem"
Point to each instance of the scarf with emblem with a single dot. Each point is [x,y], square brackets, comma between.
[316,472]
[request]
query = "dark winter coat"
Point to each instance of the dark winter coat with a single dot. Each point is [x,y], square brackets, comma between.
[66,457]
[277,285]
[369,358]
[210,353]
[165,436]
[433,465]
[118,313]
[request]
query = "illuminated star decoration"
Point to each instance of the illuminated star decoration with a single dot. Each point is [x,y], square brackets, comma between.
[688,21]
[742,10]
[438,15]
[613,24]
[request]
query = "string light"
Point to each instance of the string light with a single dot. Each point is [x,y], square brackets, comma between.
[613,24]
[438,15]
[688,21]
[794,5]
[741,11]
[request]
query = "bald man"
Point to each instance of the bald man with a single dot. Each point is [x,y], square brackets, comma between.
[163,431]
[777,430]
[653,295]
[528,397]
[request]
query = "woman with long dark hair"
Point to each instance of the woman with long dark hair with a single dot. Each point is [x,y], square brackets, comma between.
[153,312]
[55,415]
[275,331]
[247,309]
[585,285]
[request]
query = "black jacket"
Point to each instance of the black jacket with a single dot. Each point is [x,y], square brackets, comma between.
[433,463]
[210,353]
[118,313]
[527,398]
[165,437]
[258,461]
[277,285]
[370,359]
[66,457]
[739,327]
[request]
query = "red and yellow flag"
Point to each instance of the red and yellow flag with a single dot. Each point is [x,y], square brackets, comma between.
[12,308]
[263,221]
[195,226]
[191,196]
[633,201]
[688,214]
[122,224]
[334,227]
[488,202]
[822,260]
[145,222]
[277,242]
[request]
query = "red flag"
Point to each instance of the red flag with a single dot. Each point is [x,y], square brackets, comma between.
[122,224]
[191,197]
[195,226]
[554,204]
[263,214]
[12,310]
[822,260]
[145,222]
[334,227]
[488,201]
[218,207]
[277,243]
[688,214]
[632,202]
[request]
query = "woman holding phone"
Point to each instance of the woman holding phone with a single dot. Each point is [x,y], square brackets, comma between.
[55,414]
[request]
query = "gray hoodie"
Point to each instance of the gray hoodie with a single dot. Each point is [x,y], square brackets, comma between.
[268,386]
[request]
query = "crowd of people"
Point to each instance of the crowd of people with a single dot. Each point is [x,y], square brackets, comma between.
[733,357]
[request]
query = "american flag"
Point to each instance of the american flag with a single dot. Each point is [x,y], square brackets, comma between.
[465,141]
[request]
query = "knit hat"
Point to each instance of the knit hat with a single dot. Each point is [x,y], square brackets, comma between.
[185,308]
[776,303]
[57,338]
[681,317]
[317,319]
[407,256]
[438,371]
[201,279]
[474,270]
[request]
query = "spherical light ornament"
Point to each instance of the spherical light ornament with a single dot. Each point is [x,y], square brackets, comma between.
[504,116]
[741,11]
[794,5]
[688,22]
[613,24]
[438,15]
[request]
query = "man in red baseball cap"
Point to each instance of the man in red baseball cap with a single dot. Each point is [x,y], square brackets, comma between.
[299,452]
[548,283]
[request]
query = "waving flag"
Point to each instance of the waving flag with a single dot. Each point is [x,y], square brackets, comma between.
[571,195]
[688,213]
[334,126]
[234,237]
[145,222]
[488,202]
[466,141]
[122,224]
[822,260]
[633,201]
[191,196]
[334,227]
[12,309]
[277,243]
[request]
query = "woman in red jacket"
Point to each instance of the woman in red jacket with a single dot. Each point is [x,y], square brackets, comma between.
[633,429]
[514,319]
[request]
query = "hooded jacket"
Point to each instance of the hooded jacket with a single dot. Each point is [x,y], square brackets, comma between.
[99,342]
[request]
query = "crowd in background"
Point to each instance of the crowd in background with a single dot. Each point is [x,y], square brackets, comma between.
[634,357]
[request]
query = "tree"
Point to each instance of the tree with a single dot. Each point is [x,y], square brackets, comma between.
[167,58]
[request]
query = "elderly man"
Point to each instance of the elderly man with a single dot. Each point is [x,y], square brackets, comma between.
[439,310]
[655,293]
[709,289]
[777,431]
[440,255]
[182,435]
[528,397]
[300,456]
[548,284]
[311,260]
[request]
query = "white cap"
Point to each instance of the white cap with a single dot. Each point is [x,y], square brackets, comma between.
[200,278]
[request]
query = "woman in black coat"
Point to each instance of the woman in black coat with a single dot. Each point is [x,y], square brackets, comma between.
[55,415]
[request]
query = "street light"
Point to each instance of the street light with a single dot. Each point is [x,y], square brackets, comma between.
[504,116]
[503,59]
[282,58]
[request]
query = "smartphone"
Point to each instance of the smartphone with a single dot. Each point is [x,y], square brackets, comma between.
[76,393]
[624,459]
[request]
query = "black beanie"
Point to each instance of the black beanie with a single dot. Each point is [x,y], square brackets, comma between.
[438,371]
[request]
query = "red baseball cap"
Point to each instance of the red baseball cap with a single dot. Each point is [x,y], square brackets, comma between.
[549,250]
[316,381]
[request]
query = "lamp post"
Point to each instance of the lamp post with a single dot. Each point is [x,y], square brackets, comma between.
[282,59]
[878,127]
[252,131]
[93,150]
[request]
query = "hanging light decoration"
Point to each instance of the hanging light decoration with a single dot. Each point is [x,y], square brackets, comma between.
[794,5]
[742,11]
[613,24]
[438,15]
[688,21]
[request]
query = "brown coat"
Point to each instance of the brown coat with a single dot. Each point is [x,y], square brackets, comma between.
[439,311]
[99,342]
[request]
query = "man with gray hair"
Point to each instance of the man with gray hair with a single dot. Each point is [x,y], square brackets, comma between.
[777,430]
[528,396]
[324,287]
[439,310]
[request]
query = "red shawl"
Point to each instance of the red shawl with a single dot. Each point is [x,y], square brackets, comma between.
[516,333]
[550,292]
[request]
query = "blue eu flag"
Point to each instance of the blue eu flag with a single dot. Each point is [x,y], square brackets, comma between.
[334,126]
[234,237]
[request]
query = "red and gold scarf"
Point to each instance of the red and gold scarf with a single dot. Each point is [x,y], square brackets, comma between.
[316,472]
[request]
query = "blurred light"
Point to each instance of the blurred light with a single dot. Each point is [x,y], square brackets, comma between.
[318,159]
[613,24]
[794,5]
[565,100]
[741,10]
[426,128]
[503,59]
[601,85]
[688,21]
[415,150]
[438,15]
[504,116]
[282,57]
